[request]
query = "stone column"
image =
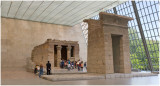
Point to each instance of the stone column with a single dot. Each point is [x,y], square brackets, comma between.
[58,55]
[68,52]
[49,54]
[76,52]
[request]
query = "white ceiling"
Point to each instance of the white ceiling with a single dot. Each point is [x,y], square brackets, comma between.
[56,12]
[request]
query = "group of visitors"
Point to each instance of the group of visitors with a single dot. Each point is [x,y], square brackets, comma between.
[39,69]
[73,65]
[63,64]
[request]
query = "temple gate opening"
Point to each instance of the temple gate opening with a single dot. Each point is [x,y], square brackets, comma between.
[116,48]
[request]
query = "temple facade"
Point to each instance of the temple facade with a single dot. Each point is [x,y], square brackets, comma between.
[108,44]
[55,51]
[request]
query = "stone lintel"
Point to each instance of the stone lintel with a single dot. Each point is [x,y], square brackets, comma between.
[114,19]
[115,25]
[101,14]
[62,42]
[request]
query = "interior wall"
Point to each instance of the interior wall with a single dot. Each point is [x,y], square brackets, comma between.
[19,37]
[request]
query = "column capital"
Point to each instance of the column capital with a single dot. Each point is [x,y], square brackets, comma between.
[59,47]
[69,47]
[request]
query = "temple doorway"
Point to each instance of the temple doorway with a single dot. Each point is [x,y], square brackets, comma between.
[116,52]
[64,52]
[55,55]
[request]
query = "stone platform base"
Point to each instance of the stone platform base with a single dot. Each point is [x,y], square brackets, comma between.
[90,76]
[65,71]
[133,74]
[71,77]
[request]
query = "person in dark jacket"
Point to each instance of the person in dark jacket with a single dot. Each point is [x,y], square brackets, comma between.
[48,65]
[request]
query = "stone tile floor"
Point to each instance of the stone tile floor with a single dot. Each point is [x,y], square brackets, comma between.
[21,77]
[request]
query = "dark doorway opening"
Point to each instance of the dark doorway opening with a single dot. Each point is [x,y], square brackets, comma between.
[55,55]
[116,52]
[64,52]
[72,51]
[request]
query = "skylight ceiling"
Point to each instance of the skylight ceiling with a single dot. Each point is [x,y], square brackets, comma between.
[56,12]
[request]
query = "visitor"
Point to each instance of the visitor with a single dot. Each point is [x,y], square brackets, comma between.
[41,70]
[35,69]
[65,64]
[62,63]
[78,65]
[69,62]
[48,65]
[72,64]
[69,66]
[75,64]
[38,68]
[81,65]
[85,67]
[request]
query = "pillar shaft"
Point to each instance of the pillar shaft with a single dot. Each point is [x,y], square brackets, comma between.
[68,52]
[58,55]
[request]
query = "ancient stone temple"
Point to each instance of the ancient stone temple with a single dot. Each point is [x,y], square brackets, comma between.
[54,51]
[108,44]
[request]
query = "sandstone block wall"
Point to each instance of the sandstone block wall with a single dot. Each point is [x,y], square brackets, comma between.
[108,44]
[19,37]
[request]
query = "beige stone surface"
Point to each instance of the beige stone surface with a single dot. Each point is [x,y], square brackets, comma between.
[19,37]
[108,44]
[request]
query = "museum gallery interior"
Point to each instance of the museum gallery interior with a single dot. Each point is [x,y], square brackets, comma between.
[86,42]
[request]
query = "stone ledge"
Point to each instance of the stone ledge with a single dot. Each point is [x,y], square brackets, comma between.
[122,75]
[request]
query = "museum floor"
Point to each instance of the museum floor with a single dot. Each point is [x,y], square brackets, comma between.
[21,77]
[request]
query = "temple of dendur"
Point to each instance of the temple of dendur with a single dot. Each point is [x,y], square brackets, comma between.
[55,51]
[108,47]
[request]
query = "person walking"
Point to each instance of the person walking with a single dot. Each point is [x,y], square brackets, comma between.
[48,65]
[41,70]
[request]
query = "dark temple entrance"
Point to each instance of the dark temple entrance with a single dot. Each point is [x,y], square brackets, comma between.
[64,52]
[55,55]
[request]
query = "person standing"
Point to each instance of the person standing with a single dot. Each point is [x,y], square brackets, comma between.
[48,65]
[75,64]
[81,65]
[85,67]
[35,69]
[41,70]
[62,63]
